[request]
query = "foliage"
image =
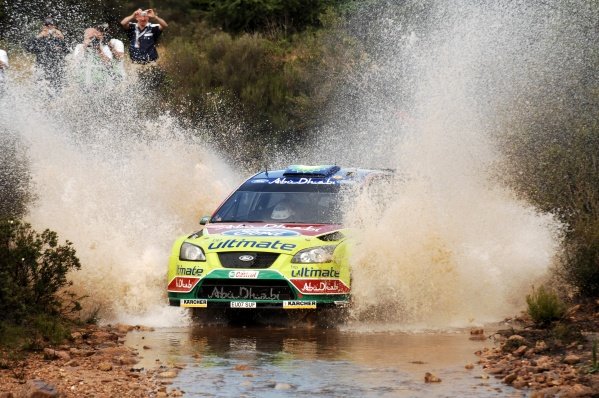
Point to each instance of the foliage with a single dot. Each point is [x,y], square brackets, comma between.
[594,368]
[276,85]
[33,269]
[544,306]
[14,178]
[553,162]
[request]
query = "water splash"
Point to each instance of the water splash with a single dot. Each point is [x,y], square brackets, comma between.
[454,246]
[120,183]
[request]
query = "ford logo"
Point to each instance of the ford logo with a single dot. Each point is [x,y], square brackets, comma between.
[246,257]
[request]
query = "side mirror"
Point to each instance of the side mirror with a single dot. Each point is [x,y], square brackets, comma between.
[204,220]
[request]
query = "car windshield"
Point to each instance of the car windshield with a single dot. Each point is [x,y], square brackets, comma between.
[309,207]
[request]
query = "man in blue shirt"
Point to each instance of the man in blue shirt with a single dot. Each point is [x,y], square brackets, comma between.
[143,35]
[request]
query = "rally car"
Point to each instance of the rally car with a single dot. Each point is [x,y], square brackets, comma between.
[277,242]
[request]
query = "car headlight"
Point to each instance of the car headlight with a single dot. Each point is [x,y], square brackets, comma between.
[189,252]
[320,254]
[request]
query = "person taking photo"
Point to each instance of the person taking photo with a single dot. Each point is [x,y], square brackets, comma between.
[143,35]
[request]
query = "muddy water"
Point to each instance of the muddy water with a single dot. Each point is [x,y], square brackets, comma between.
[273,362]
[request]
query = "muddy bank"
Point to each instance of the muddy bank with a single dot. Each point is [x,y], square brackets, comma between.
[94,362]
[556,361]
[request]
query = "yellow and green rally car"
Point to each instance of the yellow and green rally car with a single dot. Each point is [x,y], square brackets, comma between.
[275,243]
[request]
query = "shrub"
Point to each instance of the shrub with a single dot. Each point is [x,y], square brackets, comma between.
[544,306]
[33,269]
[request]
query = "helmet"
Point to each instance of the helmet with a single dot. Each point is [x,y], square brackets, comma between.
[282,211]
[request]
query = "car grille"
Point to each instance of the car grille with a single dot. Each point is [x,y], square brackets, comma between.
[259,259]
[236,289]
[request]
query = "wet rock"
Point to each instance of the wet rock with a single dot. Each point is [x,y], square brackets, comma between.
[127,360]
[516,338]
[477,331]
[520,351]
[282,386]
[169,374]
[38,389]
[51,354]
[510,378]
[146,347]
[105,366]
[123,329]
[495,370]
[571,359]
[544,363]
[431,378]
[72,362]
[469,366]
[242,367]
[520,383]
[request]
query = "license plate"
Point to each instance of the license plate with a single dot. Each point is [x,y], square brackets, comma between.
[193,303]
[243,304]
[299,305]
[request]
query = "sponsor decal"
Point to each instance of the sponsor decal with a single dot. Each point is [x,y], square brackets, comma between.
[303,181]
[246,258]
[297,305]
[182,284]
[243,304]
[320,286]
[244,274]
[261,232]
[193,303]
[243,293]
[260,181]
[314,273]
[244,243]
[299,228]
[189,271]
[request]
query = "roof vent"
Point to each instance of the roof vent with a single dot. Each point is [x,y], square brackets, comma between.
[311,171]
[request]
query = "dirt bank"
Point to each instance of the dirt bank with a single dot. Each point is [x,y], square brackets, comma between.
[93,363]
[556,361]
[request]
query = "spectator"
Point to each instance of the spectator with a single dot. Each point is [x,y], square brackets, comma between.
[143,36]
[117,48]
[3,65]
[50,50]
[92,60]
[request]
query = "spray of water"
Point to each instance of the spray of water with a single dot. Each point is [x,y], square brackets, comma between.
[120,180]
[453,246]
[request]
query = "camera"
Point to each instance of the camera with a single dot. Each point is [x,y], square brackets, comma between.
[143,14]
[94,42]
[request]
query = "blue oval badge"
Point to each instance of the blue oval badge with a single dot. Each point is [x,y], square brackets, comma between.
[261,232]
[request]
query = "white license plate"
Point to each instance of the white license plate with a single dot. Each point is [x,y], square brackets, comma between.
[243,304]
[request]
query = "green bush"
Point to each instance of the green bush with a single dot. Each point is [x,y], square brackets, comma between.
[33,270]
[544,306]
[14,177]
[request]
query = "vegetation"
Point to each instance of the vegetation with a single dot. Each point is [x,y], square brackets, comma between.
[544,306]
[33,274]
[594,368]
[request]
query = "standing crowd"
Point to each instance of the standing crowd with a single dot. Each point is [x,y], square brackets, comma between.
[99,57]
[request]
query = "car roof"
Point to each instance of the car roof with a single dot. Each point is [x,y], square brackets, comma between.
[329,174]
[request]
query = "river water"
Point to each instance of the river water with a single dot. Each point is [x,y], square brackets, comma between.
[225,361]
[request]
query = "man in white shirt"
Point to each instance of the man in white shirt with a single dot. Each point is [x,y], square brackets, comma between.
[3,64]
[117,48]
[92,60]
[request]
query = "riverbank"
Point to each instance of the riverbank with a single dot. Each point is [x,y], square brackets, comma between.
[556,361]
[94,362]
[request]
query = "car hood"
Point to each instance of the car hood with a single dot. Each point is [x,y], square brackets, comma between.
[269,229]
